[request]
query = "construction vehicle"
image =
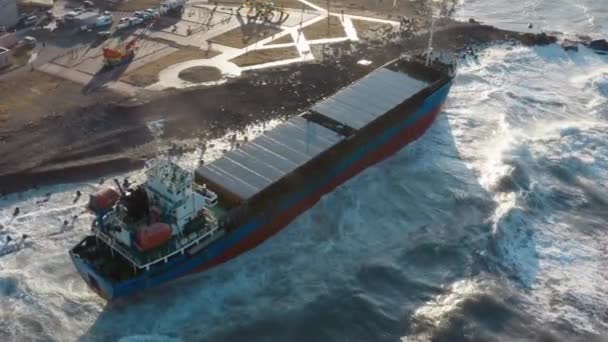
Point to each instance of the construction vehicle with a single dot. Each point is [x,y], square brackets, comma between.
[119,55]
[123,54]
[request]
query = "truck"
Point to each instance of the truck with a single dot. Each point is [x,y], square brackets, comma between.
[97,22]
[72,15]
[172,6]
[129,22]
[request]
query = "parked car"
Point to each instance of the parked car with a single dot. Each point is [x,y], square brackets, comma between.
[104,34]
[123,25]
[30,41]
[70,15]
[29,21]
[129,22]
[146,16]
[135,21]
[103,20]
[88,3]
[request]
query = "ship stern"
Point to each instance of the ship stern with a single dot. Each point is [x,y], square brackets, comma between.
[95,280]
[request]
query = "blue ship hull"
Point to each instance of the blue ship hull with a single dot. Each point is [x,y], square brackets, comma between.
[258,229]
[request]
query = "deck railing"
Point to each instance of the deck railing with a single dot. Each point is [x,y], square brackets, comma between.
[173,247]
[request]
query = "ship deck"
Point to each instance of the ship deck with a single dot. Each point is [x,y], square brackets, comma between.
[252,168]
[177,244]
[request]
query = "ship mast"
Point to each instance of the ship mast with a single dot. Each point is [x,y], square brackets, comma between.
[430,47]
[441,12]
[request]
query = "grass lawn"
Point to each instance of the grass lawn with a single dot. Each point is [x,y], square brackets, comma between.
[148,74]
[321,29]
[266,56]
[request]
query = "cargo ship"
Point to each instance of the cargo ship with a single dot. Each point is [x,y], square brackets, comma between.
[178,222]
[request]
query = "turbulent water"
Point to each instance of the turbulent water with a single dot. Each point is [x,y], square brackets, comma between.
[491,227]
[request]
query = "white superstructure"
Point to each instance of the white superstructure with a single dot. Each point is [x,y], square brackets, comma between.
[173,200]
[170,189]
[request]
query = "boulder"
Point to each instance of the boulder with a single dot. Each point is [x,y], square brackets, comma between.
[599,44]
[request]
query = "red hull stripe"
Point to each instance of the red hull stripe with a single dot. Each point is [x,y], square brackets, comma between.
[389,148]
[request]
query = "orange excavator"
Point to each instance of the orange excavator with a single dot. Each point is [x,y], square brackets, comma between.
[123,54]
[119,55]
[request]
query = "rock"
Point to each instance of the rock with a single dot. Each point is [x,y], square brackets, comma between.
[584,38]
[530,39]
[599,44]
[569,45]
[16,211]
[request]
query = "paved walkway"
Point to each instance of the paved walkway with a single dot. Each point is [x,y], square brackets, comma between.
[169,77]
[91,81]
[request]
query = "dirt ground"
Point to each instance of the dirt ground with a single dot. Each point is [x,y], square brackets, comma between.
[265,56]
[200,74]
[283,40]
[135,5]
[285,3]
[26,98]
[378,8]
[88,141]
[46,120]
[322,29]
[245,35]
[369,29]
[148,74]
[20,55]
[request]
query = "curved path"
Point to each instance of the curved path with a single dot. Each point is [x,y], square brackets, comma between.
[169,77]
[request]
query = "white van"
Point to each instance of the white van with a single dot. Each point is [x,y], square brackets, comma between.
[103,20]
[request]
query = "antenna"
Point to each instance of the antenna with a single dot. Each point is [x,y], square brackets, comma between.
[122,192]
[328,29]
[156,129]
[442,12]
[430,47]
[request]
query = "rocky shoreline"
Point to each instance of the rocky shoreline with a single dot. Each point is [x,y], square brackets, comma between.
[117,138]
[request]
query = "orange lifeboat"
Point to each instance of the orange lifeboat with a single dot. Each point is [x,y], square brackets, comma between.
[152,236]
[103,200]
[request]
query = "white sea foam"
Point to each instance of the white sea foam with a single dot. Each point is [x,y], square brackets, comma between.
[546,116]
